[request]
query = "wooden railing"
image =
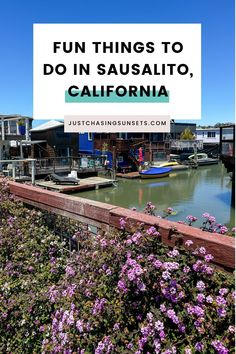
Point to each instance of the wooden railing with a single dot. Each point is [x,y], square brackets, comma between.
[102,215]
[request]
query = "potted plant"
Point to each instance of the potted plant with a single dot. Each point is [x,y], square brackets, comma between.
[21,124]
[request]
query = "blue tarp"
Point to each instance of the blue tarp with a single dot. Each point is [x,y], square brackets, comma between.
[156,171]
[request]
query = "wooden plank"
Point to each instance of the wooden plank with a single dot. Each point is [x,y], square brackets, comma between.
[220,246]
[85,183]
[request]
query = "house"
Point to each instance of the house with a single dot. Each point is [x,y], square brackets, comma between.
[50,140]
[156,146]
[86,143]
[208,135]
[212,135]
[14,135]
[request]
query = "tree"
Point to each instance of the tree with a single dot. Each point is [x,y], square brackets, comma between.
[187,135]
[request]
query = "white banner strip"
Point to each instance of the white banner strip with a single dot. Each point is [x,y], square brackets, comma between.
[118,124]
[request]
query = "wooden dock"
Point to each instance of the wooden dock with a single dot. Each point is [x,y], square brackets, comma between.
[84,184]
[129,175]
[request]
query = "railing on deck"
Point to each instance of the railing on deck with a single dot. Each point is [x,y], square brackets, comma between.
[65,164]
[186,144]
[103,216]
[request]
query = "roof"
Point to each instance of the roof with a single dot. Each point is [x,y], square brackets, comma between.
[10,117]
[48,125]
[206,129]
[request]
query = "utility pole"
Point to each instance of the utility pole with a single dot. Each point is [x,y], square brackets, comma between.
[114,162]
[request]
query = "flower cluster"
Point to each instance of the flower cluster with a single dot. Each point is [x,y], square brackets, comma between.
[116,292]
[209,224]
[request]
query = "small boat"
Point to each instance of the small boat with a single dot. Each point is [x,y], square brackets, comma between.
[169,164]
[203,159]
[155,172]
[174,165]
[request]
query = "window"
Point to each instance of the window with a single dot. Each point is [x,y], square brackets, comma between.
[90,136]
[211,134]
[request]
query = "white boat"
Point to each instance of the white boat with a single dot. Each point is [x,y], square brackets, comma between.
[203,159]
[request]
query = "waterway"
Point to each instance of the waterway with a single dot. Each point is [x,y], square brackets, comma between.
[206,189]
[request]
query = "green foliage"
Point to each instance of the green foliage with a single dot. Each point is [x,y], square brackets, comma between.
[187,135]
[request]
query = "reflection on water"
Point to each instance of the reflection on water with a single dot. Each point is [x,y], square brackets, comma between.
[188,192]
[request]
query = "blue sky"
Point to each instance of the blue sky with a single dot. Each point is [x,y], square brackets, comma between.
[216,17]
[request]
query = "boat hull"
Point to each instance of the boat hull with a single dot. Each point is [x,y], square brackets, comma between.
[202,159]
[155,172]
[159,175]
[205,162]
[169,164]
[175,166]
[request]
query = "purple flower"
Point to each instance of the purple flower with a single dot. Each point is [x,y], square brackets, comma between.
[70,271]
[199,347]
[108,272]
[162,334]
[116,326]
[223,230]
[209,299]
[188,243]
[186,269]
[220,300]
[173,253]
[200,297]
[202,250]
[166,275]
[206,215]
[159,326]
[170,210]
[149,316]
[141,286]
[231,329]
[122,223]
[162,308]
[157,264]
[211,219]
[191,218]
[99,306]
[223,291]
[171,313]
[208,257]
[53,293]
[187,351]
[171,265]
[219,347]
[197,310]
[221,312]
[209,270]
[152,231]
[181,328]
[200,285]
[122,286]
[79,326]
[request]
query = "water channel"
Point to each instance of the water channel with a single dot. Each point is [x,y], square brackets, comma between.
[206,189]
